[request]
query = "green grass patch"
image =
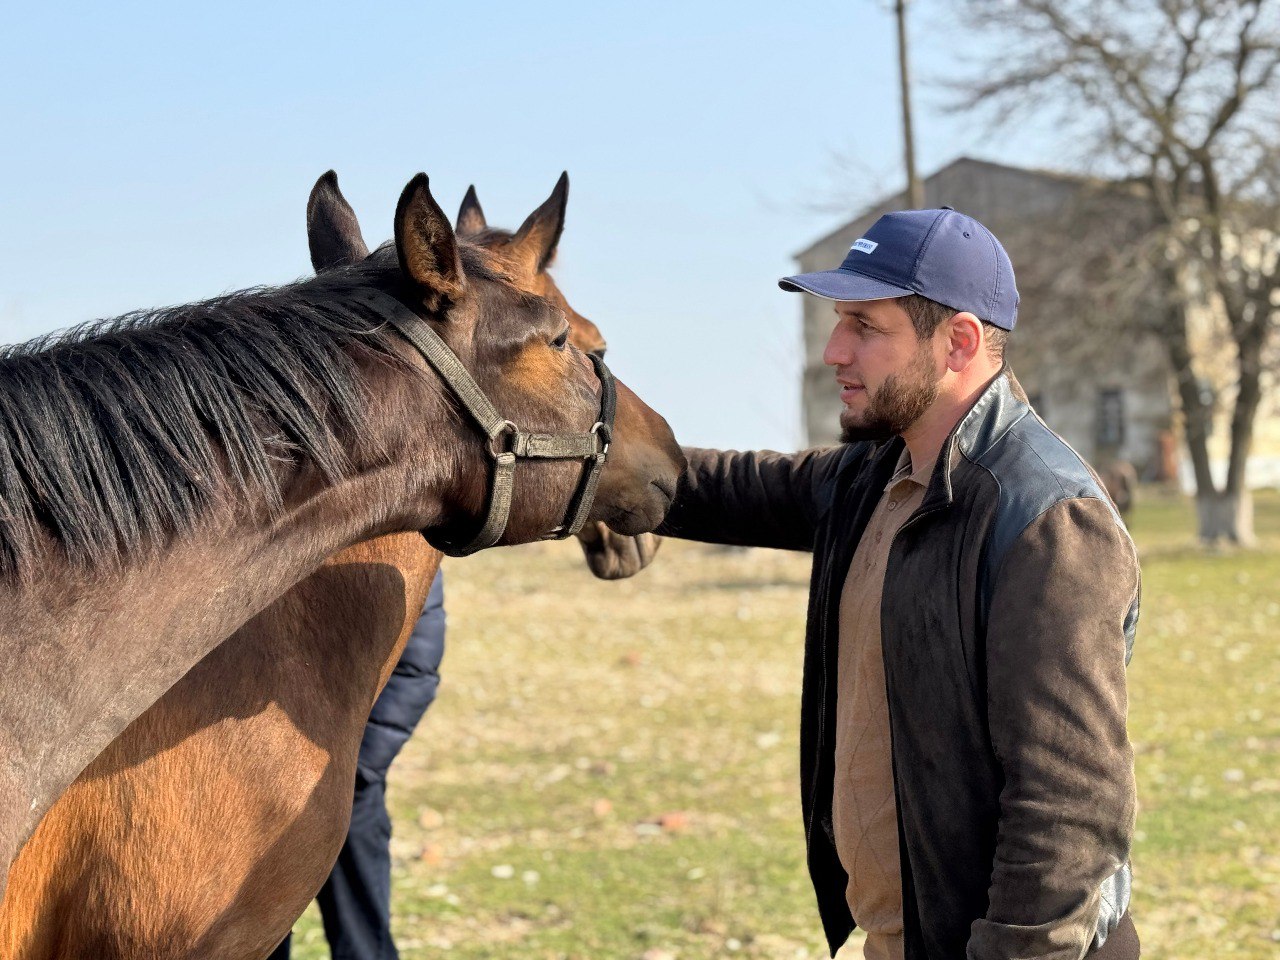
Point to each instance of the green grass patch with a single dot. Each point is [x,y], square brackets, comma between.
[611,770]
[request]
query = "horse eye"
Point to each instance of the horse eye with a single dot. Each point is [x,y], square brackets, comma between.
[560,341]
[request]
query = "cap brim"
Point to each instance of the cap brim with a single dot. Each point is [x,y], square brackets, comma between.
[842,285]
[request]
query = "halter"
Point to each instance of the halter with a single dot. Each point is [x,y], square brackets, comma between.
[506,442]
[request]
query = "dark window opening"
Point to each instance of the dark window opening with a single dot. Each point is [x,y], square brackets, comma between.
[1110,426]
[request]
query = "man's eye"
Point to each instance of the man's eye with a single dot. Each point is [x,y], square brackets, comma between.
[560,341]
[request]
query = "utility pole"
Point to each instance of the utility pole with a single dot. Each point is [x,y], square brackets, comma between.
[915,189]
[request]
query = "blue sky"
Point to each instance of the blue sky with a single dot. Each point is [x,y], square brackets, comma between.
[155,154]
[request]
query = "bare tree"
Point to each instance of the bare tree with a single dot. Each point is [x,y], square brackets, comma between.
[1176,96]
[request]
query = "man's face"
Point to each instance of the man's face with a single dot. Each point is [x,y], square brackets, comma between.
[887,376]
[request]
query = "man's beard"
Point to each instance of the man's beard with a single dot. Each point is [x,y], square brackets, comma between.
[900,401]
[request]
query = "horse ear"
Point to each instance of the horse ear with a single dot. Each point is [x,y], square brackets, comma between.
[426,245]
[333,233]
[535,242]
[470,217]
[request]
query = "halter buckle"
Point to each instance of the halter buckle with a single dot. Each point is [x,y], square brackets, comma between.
[505,428]
[602,430]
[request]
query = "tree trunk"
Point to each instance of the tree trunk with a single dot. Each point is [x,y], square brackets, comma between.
[1195,414]
[1221,516]
[1250,343]
[1225,518]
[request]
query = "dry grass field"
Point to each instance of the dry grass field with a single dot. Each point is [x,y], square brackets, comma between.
[610,770]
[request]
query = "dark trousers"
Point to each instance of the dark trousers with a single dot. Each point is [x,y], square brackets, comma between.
[355,902]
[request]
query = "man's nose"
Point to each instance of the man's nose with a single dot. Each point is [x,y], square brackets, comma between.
[839,349]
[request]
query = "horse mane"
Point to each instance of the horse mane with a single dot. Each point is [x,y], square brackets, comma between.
[490,235]
[119,434]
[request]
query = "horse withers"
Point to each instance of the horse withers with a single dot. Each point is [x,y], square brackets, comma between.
[168,475]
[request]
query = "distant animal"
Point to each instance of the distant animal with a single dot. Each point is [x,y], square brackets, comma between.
[1121,481]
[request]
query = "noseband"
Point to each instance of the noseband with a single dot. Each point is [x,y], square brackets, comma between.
[505,441]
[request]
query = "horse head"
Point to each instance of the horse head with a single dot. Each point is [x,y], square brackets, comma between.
[335,240]
[500,313]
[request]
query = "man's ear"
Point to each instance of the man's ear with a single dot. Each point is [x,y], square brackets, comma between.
[470,217]
[535,242]
[426,245]
[333,233]
[964,340]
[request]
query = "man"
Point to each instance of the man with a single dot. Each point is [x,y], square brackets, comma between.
[966,772]
[355,902]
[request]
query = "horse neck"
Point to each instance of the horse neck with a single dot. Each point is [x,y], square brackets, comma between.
[86,654]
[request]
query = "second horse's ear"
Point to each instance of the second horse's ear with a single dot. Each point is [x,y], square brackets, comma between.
[470,217]
[426,245]
[535,242]
[333,232]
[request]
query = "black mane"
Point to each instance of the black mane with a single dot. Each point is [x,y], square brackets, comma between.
[119,434]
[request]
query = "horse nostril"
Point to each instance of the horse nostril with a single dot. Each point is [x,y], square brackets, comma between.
[667,488]
[598,352]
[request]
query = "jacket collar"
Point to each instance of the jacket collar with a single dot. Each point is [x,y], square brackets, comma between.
[1000,405]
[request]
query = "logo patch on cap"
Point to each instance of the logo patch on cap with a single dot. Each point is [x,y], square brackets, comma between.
[863,246]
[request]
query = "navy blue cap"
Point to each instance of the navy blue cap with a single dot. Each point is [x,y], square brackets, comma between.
[940,254]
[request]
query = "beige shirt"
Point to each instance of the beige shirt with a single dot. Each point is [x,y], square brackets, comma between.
[864,814]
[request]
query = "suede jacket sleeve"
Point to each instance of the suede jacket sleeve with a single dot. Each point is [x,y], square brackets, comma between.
[1057,705]
[758,498]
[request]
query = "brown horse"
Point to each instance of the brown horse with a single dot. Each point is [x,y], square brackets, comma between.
[197,462]
[205,828]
